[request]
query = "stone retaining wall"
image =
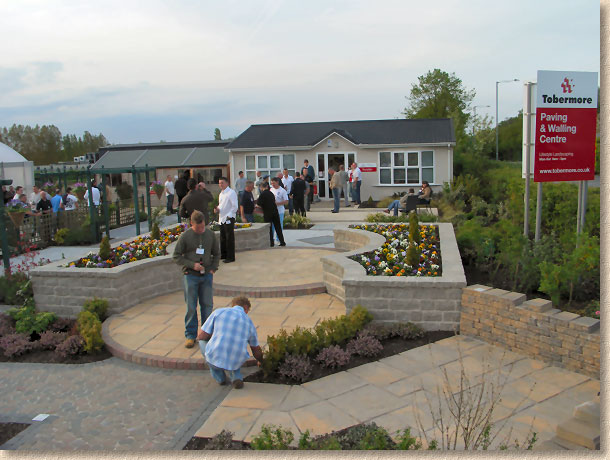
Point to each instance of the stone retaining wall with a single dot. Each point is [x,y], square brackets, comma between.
[64,290]
[431,302]
[532,327]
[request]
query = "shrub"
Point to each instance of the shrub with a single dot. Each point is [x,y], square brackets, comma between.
[365,346]
[124,191]
[7,325]
[221,441]
[10,287]
[61,235]
[413,255]
[296,221]
[15,344]
[407,331]
[296,367]
[414,234]
[272,437]
[105,248]
[155,234]
[28,321]
[376,439]
[49,340]
[98,307]
[333,357]
[72,346]
[324,442]
[404,440]
[90,329]
[61,325]
[350,438]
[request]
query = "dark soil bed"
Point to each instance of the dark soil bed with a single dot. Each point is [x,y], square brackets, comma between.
[369,205]
[200,443]
[391,347]
[49,356]
[9,430]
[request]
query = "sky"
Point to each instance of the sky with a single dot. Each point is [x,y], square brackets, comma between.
[145,71]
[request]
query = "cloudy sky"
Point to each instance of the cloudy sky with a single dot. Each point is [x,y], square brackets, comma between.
[143,71]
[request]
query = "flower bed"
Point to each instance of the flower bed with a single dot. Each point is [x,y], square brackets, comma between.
[391,258]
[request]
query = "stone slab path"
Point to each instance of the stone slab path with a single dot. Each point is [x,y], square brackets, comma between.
[395,392]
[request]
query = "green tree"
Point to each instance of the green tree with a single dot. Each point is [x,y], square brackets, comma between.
[510,138]
[217,135]
[439,94]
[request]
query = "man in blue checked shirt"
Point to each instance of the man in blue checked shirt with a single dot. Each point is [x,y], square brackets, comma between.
[224,340]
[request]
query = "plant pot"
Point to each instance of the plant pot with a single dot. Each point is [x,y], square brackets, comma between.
[159,193]
[80,194]
[17,218]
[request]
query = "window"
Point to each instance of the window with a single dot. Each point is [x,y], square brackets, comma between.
[269,164]
[403,168]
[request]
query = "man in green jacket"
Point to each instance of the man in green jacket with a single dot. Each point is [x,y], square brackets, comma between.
[198,253]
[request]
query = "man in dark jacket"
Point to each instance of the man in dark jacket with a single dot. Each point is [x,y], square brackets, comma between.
[298,193]
[266,201]
[181,186]
[196,200]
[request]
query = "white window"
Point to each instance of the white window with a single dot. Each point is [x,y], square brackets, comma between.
[269,164]
[404,168]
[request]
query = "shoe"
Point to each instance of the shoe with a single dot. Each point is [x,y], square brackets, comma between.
[334,212]
[347,205]
[271,245]
[228,261]
[190,343]
[238,384]
[224,382]
[387,211]
[282,244]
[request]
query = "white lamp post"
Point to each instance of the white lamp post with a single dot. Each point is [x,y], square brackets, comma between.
[497,83]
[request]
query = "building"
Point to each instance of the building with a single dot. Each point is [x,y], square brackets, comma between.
[16,167]
[394,155]
[205,160]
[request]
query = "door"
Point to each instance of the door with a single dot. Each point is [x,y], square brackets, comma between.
[332,160]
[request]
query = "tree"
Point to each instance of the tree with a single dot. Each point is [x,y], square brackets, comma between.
[442,95]
[217,136]
[510,138]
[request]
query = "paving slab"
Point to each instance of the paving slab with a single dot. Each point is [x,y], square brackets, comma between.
[298,396]
[366,402]
[321,418]
[378,374]
[238,420]
[335,384]
[275,418]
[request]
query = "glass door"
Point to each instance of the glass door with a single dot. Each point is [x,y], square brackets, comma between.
[332,160]
[322,185]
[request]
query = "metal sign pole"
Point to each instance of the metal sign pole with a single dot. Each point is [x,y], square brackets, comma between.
[528,114]
[538,211]
[578,209]
[583,208]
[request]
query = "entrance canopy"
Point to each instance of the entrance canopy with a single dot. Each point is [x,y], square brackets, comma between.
[16,167]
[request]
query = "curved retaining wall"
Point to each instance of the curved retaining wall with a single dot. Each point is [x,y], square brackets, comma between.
[64,290]
[431,302]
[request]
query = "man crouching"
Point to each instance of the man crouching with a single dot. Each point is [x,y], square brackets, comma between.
[223,340]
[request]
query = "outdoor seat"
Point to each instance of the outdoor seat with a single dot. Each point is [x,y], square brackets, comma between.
[411,204]
[426,205]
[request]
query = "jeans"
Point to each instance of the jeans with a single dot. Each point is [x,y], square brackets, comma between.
[170,203]
[290,206]
[197,287]
[239,197]
[249,218]
[346,194]
[394,205]
[219,374]
[275,236]
[356,191]
[337,198]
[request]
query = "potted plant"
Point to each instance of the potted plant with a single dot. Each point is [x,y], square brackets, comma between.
[79,190]
[158,188]
[17,214]
[49,187]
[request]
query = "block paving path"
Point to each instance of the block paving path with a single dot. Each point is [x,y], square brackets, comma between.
[395,391]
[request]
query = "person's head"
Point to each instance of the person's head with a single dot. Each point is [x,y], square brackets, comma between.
[341,168]
[249,185]
[354,165]
[425,184]
[258,174]
[186,174]
[57,191]
[412,191]
[241,174]
[275,182]
[266,179]
[297,174]
[241,301]
[197,221]
[19,190]
[43,195]
[191,184]
[200,186]
[223,183]
[306,162]
[69,190]
[93,182]
[169,177]
[11,189]
[285,172]
[36,189]
[265,186]
[331,171]
[23,198]
[304,171]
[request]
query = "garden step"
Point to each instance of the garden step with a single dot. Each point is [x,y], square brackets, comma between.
[580,433]
[588,412]
[563,444]
[549,445]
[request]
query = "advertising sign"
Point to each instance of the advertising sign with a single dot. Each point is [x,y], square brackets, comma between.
[368,167]
[566,116]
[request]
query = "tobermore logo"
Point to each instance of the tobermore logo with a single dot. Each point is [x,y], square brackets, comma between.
[567,85]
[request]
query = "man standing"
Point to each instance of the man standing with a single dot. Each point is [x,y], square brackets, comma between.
[246,205]
[240,186]
[356,183]
[95,194]
[287,181]
[281,199]
[169,194]
[34,197]
[298,194]
[227,209]
[267,203]
[181,186]
[196,200]
[343,183]
[224,340]
[198,254]
[45,207]
[56,202]
[258,183]
[311,175]
[335,186]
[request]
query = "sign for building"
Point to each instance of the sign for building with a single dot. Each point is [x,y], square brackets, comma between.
[566,116]
[368,167]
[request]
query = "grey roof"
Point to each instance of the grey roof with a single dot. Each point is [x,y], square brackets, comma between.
[164,155]
[373,132]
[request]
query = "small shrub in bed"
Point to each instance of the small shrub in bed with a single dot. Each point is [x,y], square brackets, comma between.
[61,325]
[72,346]
[90,329]
[49,340]
[365,346]
[99,307]
[7,325]
[221,441]
[28,320]
[296,367]
[333,357]
[15,345]
[407,331]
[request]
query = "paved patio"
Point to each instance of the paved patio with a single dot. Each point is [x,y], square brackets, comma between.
[394,392]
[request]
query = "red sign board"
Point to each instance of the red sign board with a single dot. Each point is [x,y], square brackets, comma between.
[368,168]
[566,116]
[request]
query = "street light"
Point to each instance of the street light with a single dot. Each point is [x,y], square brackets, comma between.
[475,115]
[497,83]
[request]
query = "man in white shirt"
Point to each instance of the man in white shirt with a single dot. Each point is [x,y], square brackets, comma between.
[287,181]
[227,209]
[356,183]
[71,200]
[34,197]
[169,193]
[95,193]
[281,199]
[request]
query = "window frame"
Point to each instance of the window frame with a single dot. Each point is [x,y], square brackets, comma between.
[405,154]
[268,169]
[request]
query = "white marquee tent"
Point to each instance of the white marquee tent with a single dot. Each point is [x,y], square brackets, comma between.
[15,166]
